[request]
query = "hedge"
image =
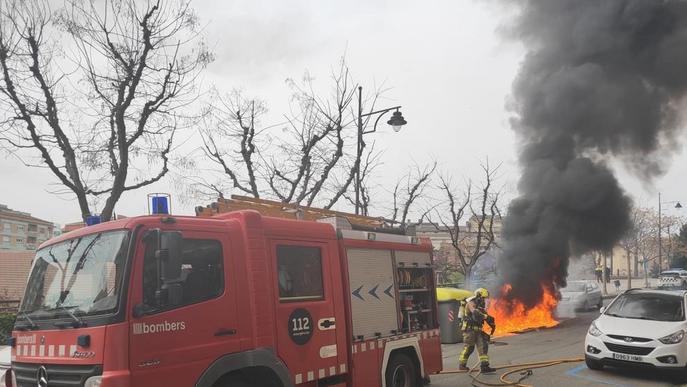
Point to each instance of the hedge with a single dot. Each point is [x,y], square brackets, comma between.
[6,324]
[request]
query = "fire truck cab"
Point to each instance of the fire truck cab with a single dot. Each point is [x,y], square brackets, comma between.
[237,299]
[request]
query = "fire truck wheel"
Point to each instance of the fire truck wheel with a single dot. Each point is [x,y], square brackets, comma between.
[235,381]
[401,372]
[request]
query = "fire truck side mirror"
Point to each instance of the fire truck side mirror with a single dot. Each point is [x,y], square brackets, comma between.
[169,255]
[170,295]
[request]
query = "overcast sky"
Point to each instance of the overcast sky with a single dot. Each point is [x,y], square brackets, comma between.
[446,62]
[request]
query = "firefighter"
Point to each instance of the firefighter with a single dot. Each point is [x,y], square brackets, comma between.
[475,316]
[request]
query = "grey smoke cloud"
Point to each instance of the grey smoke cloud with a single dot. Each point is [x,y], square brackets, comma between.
[600,80]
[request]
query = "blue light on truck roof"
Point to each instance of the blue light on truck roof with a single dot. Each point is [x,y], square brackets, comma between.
[92,220]
[160,205]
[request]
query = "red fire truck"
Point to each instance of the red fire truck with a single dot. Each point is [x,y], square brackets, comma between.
[237,299]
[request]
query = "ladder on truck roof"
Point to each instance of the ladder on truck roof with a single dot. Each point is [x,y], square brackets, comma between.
[340,220]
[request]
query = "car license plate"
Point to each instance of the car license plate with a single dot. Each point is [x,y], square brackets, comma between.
[622,356]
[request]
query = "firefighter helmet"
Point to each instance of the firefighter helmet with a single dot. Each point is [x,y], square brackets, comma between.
[482,292]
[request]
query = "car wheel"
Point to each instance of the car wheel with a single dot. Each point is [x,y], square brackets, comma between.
[593,364]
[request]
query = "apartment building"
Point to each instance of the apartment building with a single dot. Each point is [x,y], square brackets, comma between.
[21,231]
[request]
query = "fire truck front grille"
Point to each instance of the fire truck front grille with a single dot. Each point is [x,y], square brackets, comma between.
[58,375]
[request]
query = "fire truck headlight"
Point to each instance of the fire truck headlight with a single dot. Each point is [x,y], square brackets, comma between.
[93,381]
[594,331]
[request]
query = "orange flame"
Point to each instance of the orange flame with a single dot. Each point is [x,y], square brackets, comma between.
[511,315]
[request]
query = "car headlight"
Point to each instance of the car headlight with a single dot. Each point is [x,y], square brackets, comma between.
[673,338]
[593,330]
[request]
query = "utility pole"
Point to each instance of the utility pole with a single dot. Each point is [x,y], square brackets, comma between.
[660,239]
[359,150]
[396,122]
[660,229]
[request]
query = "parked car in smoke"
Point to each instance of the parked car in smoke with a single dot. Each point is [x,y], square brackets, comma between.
[641,327]
[583,295]
[5,362]
[673,278]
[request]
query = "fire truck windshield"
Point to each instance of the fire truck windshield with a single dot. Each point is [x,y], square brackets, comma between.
[76,278]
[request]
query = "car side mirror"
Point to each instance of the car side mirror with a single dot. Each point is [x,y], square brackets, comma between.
[602,309]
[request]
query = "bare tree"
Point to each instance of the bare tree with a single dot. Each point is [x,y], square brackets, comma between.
[641,242]
[628,244]
[481,209]
[407,191]
[369,162]
[102,115]
[637,238]
[308,161]
[232,120]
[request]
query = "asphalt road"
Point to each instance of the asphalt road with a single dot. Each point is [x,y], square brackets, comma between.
[564,341]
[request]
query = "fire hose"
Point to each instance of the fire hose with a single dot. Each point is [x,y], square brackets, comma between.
[525,369]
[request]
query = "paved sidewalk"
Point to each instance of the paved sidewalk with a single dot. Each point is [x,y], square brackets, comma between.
[636,283]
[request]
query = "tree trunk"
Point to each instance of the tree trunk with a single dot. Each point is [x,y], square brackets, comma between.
[646,272]
[629,269]
[467,270]
[603,272]
[83,205]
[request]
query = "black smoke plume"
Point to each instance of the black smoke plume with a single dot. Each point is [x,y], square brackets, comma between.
[601,80]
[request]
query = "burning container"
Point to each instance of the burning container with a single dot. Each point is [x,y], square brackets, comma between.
[449,304]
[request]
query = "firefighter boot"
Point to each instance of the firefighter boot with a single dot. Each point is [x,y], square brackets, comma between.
[486,369]
[463,367]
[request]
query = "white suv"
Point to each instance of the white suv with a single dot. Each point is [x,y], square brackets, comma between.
[640,328]
[5,363]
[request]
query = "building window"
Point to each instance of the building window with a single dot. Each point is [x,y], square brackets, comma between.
[8,227]
[20,228]
[33,228]
[19,241]
[300,273]
[6,239]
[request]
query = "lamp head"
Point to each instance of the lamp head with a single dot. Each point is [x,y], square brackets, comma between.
[397,121]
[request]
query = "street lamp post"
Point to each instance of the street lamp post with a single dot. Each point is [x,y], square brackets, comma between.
[396,121]
[660,229]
